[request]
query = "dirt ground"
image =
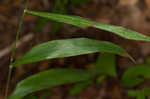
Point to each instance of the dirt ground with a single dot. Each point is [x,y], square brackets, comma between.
[132,14]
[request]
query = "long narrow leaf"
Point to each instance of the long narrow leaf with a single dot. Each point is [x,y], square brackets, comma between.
[82,22]
[49,79]
[68,47]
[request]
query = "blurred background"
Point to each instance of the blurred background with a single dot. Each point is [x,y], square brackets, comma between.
[132,14]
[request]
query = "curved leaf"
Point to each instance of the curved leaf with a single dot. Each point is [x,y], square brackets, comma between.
[68,47]
[135,75]
[49,78]
[82,22]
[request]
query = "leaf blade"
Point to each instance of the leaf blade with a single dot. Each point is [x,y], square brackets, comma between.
[49,78]
[67,48]
[82,22]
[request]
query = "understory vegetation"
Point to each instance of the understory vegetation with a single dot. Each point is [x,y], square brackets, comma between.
[96,73]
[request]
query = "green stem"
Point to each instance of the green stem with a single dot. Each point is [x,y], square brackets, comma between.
[14,49]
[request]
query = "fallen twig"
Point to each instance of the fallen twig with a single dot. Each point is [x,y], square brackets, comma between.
[8,49]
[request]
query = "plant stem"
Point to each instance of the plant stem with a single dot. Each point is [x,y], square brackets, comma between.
[14,49]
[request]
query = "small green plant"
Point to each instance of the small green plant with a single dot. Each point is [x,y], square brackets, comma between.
[135,75]
[73,47]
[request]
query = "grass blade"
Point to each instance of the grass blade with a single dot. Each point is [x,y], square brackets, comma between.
[82,22]
[67,48]
[49,78]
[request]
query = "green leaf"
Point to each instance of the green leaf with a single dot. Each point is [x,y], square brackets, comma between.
[30,97]
[147,92]
[77,2]
[147,60]
[67,48]
[132,93]
[82,22]
[79,87]
[139,94]
[106,64]
[135,75]
[49,78]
